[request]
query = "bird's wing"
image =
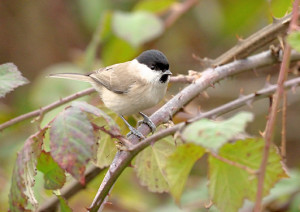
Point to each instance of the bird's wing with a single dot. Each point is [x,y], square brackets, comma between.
[114,78]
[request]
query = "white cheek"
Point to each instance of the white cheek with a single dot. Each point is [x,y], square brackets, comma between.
[146,73]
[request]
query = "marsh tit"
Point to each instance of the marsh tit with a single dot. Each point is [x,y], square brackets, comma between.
[130,87]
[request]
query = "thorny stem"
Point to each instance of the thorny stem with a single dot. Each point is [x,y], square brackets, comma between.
[273,112]
[208,77]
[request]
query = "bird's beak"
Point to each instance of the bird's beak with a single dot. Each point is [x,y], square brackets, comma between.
[168,72]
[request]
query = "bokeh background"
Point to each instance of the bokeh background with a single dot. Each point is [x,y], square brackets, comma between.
[43,37]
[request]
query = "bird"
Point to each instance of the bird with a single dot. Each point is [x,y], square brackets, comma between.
[130,87]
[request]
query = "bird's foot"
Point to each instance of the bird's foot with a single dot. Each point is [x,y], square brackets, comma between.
[135,132]
[147,121]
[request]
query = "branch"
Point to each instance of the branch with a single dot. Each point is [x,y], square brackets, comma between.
[258,40]
[178,10]
[47,108]
[273,112]
[208,77]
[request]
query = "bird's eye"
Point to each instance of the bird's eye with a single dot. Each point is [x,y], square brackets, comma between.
[152,67]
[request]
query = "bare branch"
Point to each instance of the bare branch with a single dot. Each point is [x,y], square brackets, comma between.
[47,108]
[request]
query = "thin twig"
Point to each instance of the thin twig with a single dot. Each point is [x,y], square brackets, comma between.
[179,9]
[228,107]
[208,77]
[273,112]
[47,108]
[283,127]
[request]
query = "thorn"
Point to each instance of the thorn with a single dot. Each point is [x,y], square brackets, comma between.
[242,92]
[262,134]
[249,103]
[275,20]
[267,83]
[239,38]
[255,72]
[208,205]
[293,89]
[204,94]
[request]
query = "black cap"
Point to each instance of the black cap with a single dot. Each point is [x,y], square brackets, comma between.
[154,59]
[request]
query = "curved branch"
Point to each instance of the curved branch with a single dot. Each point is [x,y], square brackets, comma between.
[208,78]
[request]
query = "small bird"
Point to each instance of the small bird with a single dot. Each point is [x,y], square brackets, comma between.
[130,87]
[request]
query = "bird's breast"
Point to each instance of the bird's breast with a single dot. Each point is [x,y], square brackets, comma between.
[139,98]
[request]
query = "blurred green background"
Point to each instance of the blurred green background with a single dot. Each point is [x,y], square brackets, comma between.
[43,37]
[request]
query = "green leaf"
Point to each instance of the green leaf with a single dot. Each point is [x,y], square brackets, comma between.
[54,175]
[64,207]
[179,165]
[150,163]
[125,51]
[10,78]
[155,6]
[83,106]
[294,40]
[106,146]
[72,141]
[229,183]
[21,195]
[213,134]
[137,28]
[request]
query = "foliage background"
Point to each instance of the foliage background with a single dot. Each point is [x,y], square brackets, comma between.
[43,37]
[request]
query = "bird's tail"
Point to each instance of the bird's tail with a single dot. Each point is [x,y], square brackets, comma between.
[73,76]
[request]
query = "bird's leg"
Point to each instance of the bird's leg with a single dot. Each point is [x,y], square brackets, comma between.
[147,121]
[132,129]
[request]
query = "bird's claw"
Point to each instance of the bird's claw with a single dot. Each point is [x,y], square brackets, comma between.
[147,121]
[136,133]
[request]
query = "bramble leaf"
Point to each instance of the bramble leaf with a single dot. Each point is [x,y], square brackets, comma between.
[21,196]
[150,163]
[155,6]
[72,141]
[54,175]
[10,78]
[294,40]
[179,165]
[213,134]
[137,28]
[228,183]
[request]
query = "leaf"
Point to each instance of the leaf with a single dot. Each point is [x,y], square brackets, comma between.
[125,51]
[54,175]
[294,40]
[150,162]
[72,141]
[138,27]
[21,195]
[64,207]
[232,184]
[155,6]
[213,134]
[10,78]
[106,146]
[179,165]
[83,106]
